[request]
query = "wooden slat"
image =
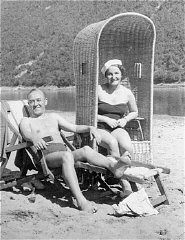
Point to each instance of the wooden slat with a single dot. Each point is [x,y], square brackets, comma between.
[18,146]
[150,166]
[161,199]
[14,139]
[66,141]
[18,182]
[90,167]
[161,187]
[25,144]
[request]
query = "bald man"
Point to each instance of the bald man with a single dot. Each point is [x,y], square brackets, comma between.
[42,124]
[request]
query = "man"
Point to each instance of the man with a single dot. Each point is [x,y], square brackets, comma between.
[42,124]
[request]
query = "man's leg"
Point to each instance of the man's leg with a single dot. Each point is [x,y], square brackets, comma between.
[117,167]
[65,160]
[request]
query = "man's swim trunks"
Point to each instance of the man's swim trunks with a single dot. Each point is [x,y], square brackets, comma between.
[24,162]
[117,111]
[54,147]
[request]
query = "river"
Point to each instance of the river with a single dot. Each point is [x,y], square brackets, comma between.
[167,100]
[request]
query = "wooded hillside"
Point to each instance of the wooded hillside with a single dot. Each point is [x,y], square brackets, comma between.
[37,37]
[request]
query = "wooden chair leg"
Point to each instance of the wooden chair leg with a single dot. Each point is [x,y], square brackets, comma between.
[3,166]
[106,186]
[163,198]
[133,186]
[20,181]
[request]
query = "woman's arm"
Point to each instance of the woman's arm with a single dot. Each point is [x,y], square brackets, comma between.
[109,121]
[101,118]
[133,111]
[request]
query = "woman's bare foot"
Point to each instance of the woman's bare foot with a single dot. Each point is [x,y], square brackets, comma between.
[87,206]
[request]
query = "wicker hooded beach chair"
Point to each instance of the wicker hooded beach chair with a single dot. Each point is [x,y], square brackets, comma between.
[129,37]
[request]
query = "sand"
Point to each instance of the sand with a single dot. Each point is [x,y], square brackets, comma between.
[52,216]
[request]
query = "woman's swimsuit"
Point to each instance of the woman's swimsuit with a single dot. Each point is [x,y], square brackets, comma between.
[117,111]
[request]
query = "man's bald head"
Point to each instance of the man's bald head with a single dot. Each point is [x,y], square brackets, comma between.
[35,90]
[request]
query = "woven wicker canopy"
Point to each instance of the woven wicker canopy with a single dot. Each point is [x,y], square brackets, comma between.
[129,37]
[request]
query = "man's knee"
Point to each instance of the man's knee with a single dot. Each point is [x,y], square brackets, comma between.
[86,151]
[67,158]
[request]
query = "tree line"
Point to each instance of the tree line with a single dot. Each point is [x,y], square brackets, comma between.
[37,38]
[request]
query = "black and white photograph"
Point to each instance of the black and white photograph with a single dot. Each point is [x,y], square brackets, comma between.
[92,119]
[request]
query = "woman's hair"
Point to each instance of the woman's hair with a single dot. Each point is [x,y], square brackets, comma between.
[121,68]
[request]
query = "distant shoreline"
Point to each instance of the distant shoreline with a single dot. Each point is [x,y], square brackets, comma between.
[47,88]
[72,88]
[169,85]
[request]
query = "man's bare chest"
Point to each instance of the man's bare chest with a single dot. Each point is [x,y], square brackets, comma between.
[43,125]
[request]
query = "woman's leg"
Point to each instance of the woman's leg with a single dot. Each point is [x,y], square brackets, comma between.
[65,160]
[109,142]
[124,141]
[125,144]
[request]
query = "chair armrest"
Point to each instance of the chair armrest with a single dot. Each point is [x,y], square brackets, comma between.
[26,144]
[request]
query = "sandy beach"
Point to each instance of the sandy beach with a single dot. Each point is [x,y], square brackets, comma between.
[52,216]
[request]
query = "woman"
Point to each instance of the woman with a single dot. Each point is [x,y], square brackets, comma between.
[116,107]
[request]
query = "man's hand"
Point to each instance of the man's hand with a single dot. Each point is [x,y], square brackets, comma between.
[39,143]
[95,134]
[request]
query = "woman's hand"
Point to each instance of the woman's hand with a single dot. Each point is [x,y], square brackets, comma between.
[122,122]
[95,134]
[113,123]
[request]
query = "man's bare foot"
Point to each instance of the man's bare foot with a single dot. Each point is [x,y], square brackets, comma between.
[125,158]
[118,167]
[88,206]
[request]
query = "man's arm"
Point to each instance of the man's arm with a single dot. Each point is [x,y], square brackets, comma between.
[67,126]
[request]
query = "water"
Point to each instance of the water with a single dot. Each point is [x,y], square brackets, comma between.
[58,100]
[167,100]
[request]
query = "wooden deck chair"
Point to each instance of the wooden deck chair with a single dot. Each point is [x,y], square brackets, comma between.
[129,37]
[11,141]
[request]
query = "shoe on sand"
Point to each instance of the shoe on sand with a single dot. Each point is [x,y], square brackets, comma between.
[37,184]
[27,186]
